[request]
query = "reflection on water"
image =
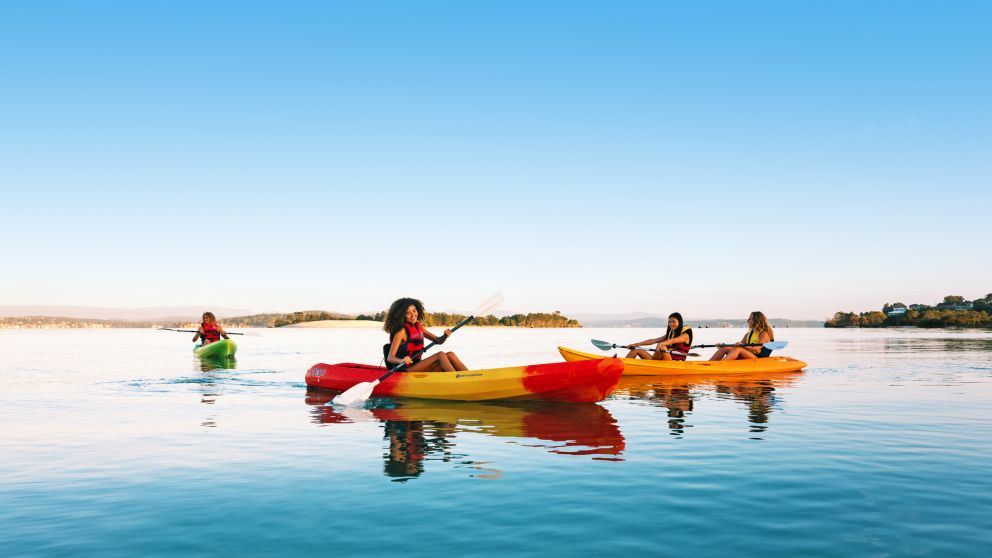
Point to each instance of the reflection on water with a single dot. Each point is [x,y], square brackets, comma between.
[104,452]
[210,392]
[914,344]
[410,442]
[416,431]
[206,364]
[677,395]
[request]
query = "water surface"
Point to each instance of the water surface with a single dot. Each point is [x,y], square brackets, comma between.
[120,442]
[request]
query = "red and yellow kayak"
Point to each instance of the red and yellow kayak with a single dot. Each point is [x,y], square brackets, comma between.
[641,367]
[587,381]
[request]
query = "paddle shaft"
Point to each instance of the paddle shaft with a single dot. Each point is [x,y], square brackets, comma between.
[637,348]
[729,345]
[194,331]
[679,353]
[399,367]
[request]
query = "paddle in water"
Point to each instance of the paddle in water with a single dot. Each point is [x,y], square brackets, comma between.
[607,346]
[356,395]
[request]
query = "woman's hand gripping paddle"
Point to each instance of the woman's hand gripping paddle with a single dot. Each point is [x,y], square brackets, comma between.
[356,395]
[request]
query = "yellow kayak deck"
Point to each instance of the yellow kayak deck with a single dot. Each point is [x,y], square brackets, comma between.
[641,367]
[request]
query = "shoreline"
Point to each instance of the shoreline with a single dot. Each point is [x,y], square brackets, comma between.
[333,324]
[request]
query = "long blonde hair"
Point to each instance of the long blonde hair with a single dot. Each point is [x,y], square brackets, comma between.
[759,323]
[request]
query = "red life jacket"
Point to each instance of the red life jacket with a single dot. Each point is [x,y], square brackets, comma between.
[414,343]
[210,333]
[680,347]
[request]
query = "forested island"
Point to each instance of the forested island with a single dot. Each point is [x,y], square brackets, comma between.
[953,311]
[432,319]
[436,319]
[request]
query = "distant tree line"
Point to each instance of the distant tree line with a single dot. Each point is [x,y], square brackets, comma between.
[432,319]
[533,319]
[55,322]
[279,320]
[953,311]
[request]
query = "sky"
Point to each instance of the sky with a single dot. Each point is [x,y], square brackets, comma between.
[707,157]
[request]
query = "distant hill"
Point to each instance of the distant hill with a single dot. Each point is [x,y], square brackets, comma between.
[283,319]
[151,314]
[62,322]
[279,320]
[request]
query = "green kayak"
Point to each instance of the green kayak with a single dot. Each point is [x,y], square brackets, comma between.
[225,348]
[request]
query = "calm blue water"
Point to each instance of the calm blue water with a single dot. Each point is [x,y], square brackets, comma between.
[119,443]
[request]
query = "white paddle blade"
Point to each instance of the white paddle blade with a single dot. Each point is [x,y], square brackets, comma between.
[775,345]
[489,305]
[602,345]
[355,396]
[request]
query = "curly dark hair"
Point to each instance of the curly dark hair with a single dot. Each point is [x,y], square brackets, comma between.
[396,315]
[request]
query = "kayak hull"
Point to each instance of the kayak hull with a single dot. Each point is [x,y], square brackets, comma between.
[225,348]
[642,367]
[577,382]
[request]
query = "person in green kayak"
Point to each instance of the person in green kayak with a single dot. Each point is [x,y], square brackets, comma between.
[677,337]
[759,332]
[406,332]
[209,331]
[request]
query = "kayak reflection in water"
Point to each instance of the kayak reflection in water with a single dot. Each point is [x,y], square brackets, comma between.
[209,331]
[406,337]
[677,337]
[758,331]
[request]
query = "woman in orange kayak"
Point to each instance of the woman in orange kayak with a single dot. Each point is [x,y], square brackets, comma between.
[406,332]
[759,332]
[209,331]
[677,337]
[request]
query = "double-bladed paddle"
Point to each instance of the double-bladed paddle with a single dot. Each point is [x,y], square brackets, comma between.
[356,395]
[771,345]
[192,330]
[606,346]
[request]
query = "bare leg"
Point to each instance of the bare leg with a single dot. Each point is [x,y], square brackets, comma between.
[721,352]
[740,353]
[456,362]
[638,353]
[442,358]
[746,355]
[662,355]
[433,363]
[732,353]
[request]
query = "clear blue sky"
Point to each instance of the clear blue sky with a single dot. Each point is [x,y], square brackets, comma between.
[707,157]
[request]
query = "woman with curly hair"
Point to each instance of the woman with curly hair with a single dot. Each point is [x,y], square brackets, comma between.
[406,332]
[759,331]
[209,331]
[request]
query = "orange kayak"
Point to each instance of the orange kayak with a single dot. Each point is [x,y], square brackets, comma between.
[641,367]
